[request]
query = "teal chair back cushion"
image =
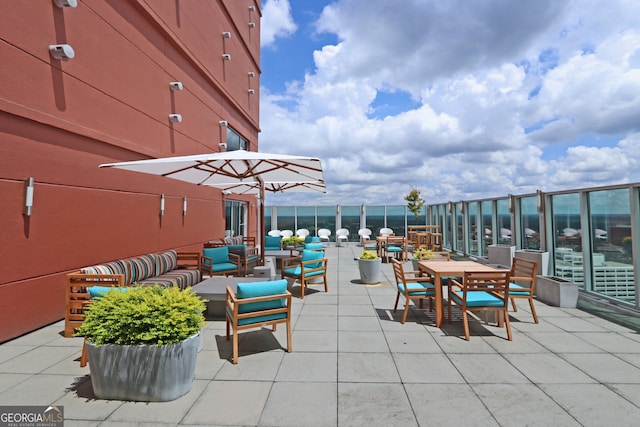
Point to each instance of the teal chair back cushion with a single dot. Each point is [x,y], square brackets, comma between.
[313,246]
[311,239]
[261,289]
[218,255]
[312,256]
[272,241]
[237,247]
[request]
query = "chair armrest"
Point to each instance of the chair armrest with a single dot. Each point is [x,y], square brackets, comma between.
[291,260]
[237,258]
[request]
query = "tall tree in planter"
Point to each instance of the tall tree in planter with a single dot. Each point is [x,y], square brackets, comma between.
[415,202]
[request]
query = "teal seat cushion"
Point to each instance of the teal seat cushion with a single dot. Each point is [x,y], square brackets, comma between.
[99,291]
[224,266]
[423,288]
[515,289]
[261,289]
[313,246]
[479,299]
[217,255]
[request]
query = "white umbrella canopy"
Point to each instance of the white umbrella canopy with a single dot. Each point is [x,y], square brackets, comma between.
[239,171]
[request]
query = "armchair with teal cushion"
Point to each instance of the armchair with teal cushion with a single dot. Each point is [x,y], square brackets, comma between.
[258,304]
[412,288]
[218,261]
[248,256]
[482,291]
[272,243]
[311,265]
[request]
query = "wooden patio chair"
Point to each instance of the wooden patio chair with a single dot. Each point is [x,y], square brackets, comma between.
[523,283]
[311,265]
[258,304]
[412,288]
[482,291]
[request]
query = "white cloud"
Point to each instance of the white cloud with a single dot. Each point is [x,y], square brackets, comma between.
[482,75]
[276,21]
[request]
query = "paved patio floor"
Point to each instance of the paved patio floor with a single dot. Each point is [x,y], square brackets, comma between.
[354,364]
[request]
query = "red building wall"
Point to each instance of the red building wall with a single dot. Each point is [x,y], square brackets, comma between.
[60,119]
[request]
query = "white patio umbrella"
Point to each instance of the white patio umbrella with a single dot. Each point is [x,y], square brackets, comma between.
[239,171]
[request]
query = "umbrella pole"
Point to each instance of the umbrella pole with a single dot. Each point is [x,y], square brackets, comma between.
[261,230]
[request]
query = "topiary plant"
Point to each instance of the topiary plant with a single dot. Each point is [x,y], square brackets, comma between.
[152,315]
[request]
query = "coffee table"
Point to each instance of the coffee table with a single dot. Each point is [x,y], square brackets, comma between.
[214,289]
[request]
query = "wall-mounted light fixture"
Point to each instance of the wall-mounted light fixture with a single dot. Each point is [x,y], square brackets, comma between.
[28,196]
[226,34]
[251,91]
[540,200]
[66,3]
[175,118]
[226,192]
[252,8]
[176,85]
[251,74]
[252,24]
[222,145]
[184,205]
[226,57]
[223,123]
[162,204]
[61,51]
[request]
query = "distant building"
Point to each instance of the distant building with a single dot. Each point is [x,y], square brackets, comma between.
[97,83]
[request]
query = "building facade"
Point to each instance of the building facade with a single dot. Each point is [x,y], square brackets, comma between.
[89,82]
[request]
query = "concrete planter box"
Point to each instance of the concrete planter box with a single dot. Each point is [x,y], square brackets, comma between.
[369,270]
[557,291]
[144,373]
[501,254]
[541,257]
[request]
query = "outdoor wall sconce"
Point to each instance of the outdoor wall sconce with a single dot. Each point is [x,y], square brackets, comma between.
[162,204]
[176,85]
[226,192]
[251,91]
[223,123]
[540,200]
[61,51]
[184,206]
[66,3]
[175,118]
[252,8]
[222,145]
[226,57]
[252,24]
[226,35]
[251,74]
[28,196]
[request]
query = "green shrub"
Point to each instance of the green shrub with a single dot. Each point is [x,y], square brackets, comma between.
[292,241]
[368,255]
[151,315]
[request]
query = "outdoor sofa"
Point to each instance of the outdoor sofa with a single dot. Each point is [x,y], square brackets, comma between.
[168,268]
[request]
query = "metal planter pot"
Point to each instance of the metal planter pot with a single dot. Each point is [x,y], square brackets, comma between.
[143,372]
[369,270]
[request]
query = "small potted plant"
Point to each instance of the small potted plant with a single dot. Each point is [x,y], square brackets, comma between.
[292,241]
[142,344]
[626,244]
[369,264]
[421,254]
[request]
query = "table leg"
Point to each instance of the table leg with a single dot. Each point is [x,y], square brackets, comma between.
[437,281]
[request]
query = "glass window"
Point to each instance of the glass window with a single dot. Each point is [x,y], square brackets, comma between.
[567,242]
[235,218]
[459,231]
[375,219]
[472,226]
[529,223]
[486,232]
[235,141]
[267,219]
[504,222]
[396,219]
[610,234]
[350,219]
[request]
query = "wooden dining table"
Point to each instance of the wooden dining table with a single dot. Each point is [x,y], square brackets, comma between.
[439,269]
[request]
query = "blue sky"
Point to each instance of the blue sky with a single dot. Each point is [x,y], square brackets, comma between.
[461,99]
